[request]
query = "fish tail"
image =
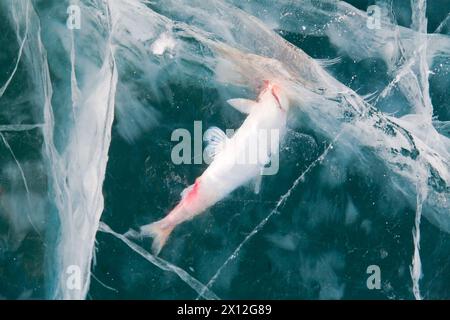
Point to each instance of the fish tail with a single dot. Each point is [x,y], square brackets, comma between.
[159,231]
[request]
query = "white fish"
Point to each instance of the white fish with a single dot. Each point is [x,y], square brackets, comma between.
[236,160]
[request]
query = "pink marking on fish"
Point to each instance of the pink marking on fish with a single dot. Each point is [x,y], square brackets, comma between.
[191,196]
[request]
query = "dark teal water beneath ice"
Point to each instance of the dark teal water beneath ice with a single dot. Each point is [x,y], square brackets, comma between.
[338,221]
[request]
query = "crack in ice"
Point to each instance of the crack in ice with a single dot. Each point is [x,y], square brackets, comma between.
[442,24]
[196,285]
[103,284]
[420,24]
[24,180]
[280,202]
[416,264]
[19,56]
[19,127]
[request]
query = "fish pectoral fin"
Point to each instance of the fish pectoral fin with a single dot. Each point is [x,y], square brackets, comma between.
[216,140]
[242,105]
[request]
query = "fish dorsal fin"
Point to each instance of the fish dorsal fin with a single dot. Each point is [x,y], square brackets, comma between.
[215,139]
[243,105]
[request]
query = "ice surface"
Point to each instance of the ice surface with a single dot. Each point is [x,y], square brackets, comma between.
[94,101]
[201,289]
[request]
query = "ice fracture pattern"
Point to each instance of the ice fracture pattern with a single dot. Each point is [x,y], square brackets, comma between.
[92,91]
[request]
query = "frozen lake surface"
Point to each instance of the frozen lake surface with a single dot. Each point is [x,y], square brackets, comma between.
[93,94]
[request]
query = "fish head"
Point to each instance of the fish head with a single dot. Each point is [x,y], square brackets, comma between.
[273,93]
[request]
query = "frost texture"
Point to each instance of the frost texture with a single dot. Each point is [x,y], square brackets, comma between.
[113,79]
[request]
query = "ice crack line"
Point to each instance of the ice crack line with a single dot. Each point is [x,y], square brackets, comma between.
[19,127]
[19,56]
[405,68]
[416,264]
[163,264]
[280,202]
[442,24]
[24,179]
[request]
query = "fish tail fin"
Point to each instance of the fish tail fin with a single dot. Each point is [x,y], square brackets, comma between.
[159,231]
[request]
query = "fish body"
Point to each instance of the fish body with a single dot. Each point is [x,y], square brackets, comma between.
[236,160]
